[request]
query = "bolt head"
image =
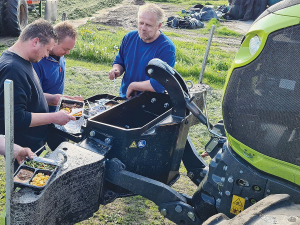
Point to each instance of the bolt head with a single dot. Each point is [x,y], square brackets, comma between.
[92,133]
[191,215]
[166,105]
[241,171]
[225,168]
[227,193]
[178,208]
[190,174]
[150,71]
[153,100]
[230,179]
[163,212]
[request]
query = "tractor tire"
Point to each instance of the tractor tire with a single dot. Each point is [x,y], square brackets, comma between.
[274,209]
[15,17]
[1,18]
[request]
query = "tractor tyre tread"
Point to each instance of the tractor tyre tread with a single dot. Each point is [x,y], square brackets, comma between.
[11,18]
[1,18]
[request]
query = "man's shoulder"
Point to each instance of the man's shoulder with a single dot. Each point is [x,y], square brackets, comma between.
[164,41]
[10,61]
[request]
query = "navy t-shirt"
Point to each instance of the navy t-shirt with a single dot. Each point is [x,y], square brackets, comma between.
[135,54]
[51,73]
[28,97]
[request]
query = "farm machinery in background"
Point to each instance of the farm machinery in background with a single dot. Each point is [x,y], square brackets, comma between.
[136,146]
[14,14]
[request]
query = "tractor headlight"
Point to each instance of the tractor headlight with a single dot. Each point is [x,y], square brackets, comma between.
[254,44]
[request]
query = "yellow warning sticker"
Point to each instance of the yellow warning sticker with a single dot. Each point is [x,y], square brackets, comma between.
[237,204]
[133,145]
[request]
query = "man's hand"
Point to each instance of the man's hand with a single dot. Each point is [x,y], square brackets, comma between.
[20,153]
[52,100]
[131,90]
[62,117]
[138,86]
[114,73]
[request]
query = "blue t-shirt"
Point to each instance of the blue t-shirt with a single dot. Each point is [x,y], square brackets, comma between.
[135,54]
[52,75]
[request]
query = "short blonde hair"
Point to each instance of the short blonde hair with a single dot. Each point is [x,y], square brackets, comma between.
[153,8]
[65,29]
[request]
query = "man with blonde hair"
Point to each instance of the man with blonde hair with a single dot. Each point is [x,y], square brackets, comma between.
[138,48]
[30,103]
[51,70]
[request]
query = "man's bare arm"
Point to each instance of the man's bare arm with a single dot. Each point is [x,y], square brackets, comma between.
[139,86]
[52,100]
[60,117]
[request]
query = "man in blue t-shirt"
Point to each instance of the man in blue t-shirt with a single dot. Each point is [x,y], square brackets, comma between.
[138,48]
[51,70]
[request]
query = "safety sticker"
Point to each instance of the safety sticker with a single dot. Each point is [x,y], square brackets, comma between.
[142,144]
[133,145]
[237,205]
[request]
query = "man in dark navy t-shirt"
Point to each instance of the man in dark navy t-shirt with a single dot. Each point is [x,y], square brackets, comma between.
[138,48]
[30,103]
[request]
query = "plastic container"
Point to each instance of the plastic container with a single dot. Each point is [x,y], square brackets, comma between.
[19,182]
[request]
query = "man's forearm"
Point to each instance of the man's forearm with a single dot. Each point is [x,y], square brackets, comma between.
[142,86]
[52,100]
[139,86]
[39,119]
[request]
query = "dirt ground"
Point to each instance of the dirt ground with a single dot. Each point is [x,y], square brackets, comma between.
[125,15]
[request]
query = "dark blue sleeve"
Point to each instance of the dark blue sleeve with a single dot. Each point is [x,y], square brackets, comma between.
[168,55]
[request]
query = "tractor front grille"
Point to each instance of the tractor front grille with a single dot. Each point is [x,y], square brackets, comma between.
[261,105]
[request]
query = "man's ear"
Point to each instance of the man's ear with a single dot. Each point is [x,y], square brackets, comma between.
[159,25]
[35,41]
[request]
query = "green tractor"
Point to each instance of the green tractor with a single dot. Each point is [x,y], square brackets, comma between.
[14,14]
[261,116]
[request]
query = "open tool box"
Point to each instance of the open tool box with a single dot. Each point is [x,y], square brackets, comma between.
[89,107]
